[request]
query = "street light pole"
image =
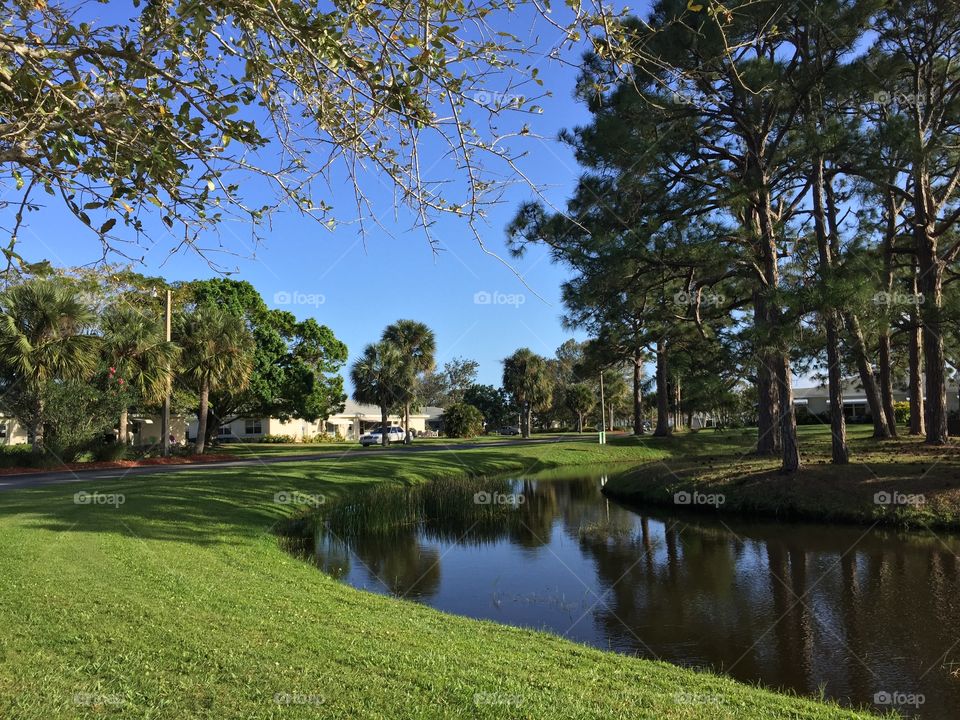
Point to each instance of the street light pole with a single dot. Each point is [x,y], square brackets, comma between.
[165,422]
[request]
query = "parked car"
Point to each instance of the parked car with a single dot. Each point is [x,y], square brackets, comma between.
[374,437]
[510,430]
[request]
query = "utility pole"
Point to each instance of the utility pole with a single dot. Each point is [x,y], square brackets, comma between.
[603,414]
[165,422]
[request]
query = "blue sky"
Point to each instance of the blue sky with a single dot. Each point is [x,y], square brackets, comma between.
[477,306]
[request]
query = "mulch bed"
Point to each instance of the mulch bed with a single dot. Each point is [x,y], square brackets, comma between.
[121,464]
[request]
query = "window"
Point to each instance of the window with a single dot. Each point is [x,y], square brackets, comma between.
[253,427]
[3,431]
[224,431]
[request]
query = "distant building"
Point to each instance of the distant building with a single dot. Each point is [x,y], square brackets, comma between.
[816,401]
[350,423]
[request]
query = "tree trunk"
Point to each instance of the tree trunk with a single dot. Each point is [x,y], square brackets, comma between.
[37,445]
[637,395]
[886,382]
[384,426]
[663,392]
[122,427]
[768,403]
[788,419]
[202,417]
[914,339]
[840,453]
[930,285]
[579,423]
[406,422]
[867,378]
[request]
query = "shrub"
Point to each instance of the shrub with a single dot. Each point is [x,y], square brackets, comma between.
[321,438]
[462,420]
[277,439]
[15,456]
[901,412]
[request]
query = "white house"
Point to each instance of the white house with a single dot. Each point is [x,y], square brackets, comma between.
[816,401]
[350,423]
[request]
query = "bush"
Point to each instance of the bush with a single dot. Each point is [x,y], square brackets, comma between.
[16,456]
[277,439]
[462,420]
[321,438]
[901,412]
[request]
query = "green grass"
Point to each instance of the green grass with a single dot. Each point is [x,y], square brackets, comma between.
[179,603]
[723,463]
[253,449]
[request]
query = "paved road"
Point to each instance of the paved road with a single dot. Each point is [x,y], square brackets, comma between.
[28,480]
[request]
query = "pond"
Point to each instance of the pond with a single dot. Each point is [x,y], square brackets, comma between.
[869,617]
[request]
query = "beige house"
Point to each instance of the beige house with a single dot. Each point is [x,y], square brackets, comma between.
[350,423]
[12,432]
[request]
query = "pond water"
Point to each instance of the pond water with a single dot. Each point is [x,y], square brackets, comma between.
[869,617]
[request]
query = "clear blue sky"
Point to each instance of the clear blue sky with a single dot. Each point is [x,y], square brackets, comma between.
[341,278]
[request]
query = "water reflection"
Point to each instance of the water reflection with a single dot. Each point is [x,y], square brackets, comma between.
[857,613]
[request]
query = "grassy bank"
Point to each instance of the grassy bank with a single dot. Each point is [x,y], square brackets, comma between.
[898,482]
[179,603]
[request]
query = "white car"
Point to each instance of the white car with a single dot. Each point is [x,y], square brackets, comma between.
[374,437]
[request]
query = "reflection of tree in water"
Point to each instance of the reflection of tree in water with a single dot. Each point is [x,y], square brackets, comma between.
[402,563]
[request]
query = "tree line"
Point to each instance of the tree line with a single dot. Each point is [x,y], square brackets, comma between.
[81,351]
[768,189]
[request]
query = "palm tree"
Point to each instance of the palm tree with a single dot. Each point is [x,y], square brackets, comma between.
[138,353]
[526,378]
[43,326]
[217,354]
[417,345]
[380,378]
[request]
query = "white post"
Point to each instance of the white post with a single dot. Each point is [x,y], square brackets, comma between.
[603,414]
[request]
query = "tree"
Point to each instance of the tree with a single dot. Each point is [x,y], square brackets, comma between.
[492,402]
[171,106]
[462,420]
[44,337]
[296,364]
[217,355]
[139,356]
[417,346]
[579,400]
[443,387]
[526,379]
[380,378]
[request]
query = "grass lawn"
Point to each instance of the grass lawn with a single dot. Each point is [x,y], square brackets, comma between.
[179,603]
[922,483]
[254,449]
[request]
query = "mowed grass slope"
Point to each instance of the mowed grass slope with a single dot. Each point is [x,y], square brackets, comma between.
[179,603]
